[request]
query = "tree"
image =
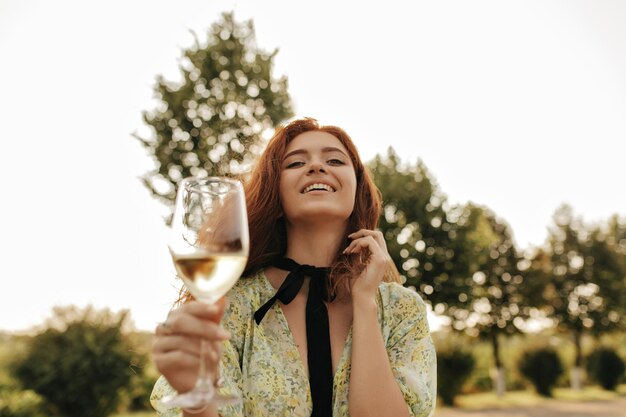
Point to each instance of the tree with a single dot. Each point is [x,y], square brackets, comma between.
[487,253]
[418,232]
[213,121]
[79,363]
[609,253]
[583,281]
[462,258]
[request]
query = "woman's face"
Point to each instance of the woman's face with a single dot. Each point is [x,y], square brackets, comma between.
[317,181]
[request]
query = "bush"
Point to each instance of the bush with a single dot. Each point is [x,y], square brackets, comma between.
[605,367]
[15,403]
[543,368]
[81,366]
[454,366]
[137,395]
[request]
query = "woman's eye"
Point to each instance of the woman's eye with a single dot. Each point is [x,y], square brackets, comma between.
[335,162]
[295,164]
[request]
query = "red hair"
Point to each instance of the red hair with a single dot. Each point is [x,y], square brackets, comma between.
[268,237]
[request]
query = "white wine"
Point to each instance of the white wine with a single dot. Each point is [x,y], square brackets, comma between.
[209,276]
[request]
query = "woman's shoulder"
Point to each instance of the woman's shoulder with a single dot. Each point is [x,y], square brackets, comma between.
[400,299]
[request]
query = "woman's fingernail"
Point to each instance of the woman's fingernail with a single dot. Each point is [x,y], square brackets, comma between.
[223,334]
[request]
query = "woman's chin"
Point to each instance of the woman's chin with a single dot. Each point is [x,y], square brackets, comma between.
[320,214]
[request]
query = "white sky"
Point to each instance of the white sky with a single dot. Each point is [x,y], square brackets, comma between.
[518,105]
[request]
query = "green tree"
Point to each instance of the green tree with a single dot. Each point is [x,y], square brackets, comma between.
[497,307]
[418,232]
[608,250]
[583,280]
[212,122]
[79,363]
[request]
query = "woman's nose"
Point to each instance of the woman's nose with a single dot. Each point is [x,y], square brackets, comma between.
[316,166]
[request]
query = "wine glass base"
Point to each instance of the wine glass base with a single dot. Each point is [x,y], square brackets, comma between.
[190,400]
[197,400]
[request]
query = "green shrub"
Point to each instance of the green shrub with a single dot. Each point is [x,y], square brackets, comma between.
[137,395]
[605,367]
[81,366]
[14,403]
[542,367]
[454,366]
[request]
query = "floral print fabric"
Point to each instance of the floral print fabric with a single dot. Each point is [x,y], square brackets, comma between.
[261,363]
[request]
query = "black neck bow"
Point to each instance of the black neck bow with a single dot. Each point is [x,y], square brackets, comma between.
[317,330]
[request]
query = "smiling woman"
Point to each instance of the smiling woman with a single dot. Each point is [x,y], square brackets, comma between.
[319,325]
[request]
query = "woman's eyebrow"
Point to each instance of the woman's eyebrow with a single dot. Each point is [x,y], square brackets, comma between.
[324,150]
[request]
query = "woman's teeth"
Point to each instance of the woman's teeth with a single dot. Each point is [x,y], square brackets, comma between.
[318,186]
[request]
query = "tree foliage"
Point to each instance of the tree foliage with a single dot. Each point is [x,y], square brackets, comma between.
[418,232]
[582,271]
[79,363]
[486,254]
[488,258]
[212,122]
[462,258]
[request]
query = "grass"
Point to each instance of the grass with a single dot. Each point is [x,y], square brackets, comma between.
[489,400]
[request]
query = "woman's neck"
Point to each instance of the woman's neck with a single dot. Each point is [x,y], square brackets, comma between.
[314,244]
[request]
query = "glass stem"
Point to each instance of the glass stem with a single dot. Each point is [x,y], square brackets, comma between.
[205,379]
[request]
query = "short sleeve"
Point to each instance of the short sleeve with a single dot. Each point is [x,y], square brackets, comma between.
[412,353]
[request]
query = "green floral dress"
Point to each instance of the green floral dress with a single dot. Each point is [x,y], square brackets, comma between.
[261,363]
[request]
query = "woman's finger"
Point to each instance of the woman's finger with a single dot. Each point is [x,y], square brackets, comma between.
[376,234]
[175,360]
[165,344]
[204,311]
[357,245]
[190,325]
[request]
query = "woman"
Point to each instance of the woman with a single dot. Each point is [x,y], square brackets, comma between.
[299,339]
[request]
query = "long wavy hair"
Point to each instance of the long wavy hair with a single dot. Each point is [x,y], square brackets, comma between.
[268,236]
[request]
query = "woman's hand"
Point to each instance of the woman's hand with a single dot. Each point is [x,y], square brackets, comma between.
[370,244]
[176,349]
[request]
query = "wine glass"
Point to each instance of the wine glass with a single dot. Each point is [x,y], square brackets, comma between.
[209,246]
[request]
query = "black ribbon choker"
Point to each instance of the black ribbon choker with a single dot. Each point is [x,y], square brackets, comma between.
[317,330]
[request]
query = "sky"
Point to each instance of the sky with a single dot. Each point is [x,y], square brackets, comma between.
[516,105]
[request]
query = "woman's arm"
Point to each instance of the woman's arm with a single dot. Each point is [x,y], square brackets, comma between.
[374,390]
